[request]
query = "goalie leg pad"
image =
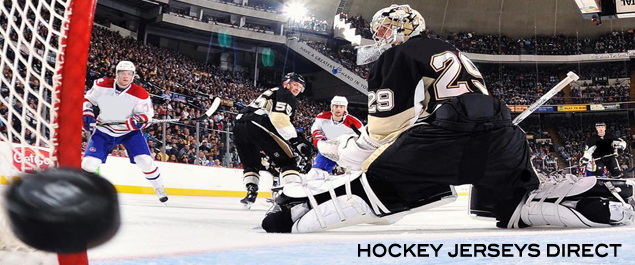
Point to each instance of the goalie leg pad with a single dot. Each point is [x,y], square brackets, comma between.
[577,202]
[349,200]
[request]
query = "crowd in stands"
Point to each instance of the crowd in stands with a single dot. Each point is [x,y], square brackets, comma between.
[221,21]
[540,143]
[183,87]
[616,41]
[574,130]
[361,25]
[310,23]
[344,56]
[521,84]
[587,93]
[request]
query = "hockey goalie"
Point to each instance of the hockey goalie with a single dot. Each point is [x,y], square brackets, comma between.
[431,126]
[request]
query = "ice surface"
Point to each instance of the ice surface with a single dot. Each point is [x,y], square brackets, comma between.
[204,230]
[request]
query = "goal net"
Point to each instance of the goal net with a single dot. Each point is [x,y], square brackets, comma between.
[43,56]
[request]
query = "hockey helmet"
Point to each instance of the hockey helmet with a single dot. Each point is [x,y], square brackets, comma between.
[340,101]
[402,21]
[294,77]
[126,66]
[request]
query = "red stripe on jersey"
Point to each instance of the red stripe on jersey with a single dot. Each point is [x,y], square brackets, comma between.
[351,121]
[106,82]
[138,91]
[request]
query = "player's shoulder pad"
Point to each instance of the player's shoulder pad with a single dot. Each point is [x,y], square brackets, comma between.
[324,115]
[105,82]
[349,121]
[418,43]
[284,95]
[138,91]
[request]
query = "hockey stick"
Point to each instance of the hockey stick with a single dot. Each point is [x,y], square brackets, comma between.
[571,76]
[208,113]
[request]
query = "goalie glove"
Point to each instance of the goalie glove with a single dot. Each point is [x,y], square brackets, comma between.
[349,150]
[619,144]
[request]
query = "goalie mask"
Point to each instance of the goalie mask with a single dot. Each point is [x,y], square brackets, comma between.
[390,26]
[394,24]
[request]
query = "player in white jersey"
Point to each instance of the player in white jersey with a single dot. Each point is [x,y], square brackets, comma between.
[119,99]
[330,125]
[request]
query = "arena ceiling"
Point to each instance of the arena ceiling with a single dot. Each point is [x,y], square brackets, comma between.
[514,18]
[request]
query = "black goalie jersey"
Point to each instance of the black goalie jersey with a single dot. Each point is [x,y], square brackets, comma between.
[274,110]
[409,80]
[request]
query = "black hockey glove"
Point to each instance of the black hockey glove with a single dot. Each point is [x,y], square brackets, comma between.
[302,146]
[584,161]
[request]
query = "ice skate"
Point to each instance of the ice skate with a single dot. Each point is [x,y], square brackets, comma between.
[163,196]
[252,193]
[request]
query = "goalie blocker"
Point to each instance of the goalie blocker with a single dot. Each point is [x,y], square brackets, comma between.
[468,140]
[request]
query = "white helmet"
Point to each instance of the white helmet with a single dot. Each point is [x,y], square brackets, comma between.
[340,101]
[403,20]
[125,66]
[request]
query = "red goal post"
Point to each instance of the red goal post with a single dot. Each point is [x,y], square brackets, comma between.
[43,58]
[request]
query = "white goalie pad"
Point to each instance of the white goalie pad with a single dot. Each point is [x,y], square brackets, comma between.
[344,210]
[554,203]
[346,150]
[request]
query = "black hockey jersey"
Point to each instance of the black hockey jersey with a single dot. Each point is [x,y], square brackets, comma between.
[274,109]
[604,145]
[409,80]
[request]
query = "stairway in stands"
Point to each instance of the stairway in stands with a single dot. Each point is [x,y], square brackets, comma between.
[557,142]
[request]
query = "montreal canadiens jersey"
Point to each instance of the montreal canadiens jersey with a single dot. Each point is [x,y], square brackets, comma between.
[325,127]
[115,106]
[408,82]
[280,106]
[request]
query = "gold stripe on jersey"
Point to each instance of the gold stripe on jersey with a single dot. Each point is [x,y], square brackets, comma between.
[386,129]
[285,147]
[375,155]
[280,120]
[269,105]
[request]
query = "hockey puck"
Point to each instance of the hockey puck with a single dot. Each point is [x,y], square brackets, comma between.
[63,210]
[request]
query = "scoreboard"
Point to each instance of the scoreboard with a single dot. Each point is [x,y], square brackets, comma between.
[606,9]
[625,8]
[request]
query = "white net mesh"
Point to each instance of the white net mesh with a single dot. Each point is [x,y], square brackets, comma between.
[31,58]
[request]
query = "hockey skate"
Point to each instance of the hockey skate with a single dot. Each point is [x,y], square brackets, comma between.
[163,196]
[252,193]
[275,189]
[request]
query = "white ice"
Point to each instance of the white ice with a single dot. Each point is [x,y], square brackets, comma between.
[208,230]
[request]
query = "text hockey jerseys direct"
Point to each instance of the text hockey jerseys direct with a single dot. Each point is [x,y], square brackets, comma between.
[115,106]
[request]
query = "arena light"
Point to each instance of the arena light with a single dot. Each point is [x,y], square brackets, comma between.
[295,11]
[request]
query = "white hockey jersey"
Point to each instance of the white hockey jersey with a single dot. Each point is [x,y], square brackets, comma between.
[325,127]
[115,106]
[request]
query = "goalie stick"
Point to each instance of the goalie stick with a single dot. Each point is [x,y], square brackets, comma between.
[208,113]
[571,76]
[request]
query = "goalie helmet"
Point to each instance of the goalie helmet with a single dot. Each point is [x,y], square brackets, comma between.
[400,22]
